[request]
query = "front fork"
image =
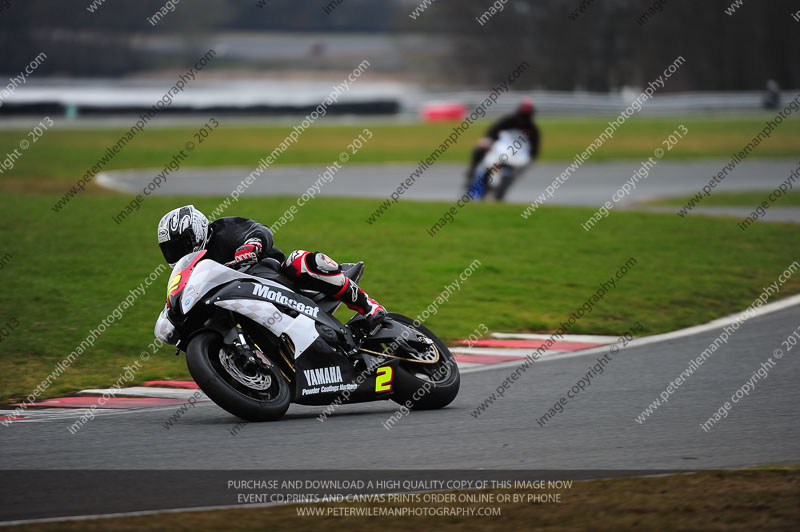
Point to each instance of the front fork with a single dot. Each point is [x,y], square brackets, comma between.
[250,356]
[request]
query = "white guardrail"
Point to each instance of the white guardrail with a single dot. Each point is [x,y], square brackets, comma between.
[242,94]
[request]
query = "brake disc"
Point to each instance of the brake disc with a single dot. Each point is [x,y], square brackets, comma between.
[259,381]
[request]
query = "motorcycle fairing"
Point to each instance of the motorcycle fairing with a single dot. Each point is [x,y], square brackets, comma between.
[180,276]
[390,330]
[249,299]
[207,275]
[165,330]
[314,386]
[301,329]
[504,152]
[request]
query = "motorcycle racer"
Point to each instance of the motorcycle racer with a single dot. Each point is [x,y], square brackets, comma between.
[521,120]
[241,242]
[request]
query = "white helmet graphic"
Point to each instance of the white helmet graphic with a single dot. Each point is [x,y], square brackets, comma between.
[182,231]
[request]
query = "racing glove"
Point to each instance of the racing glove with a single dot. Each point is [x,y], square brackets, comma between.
[246,254]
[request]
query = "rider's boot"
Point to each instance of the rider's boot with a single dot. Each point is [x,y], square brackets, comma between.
[356,299]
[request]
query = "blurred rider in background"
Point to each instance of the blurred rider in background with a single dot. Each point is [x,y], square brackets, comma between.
[521,119]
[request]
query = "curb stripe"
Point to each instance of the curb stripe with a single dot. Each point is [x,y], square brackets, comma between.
[173,384]
[533,344]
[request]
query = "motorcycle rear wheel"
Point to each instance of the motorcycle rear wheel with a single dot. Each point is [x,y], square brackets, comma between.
[426,386]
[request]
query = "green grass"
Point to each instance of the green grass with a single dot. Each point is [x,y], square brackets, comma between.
[62,156]
[69,270]
[747,198]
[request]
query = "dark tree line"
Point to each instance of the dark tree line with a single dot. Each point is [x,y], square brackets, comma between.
[605,47]
[602,49]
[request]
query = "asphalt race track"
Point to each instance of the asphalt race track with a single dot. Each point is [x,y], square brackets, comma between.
[596,435]
[596,431]
[591,185]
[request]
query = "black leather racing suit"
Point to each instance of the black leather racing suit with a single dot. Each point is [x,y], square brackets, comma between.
[228,233]
[315,271]
[521,121]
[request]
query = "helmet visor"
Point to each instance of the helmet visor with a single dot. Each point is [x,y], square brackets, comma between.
[177,248]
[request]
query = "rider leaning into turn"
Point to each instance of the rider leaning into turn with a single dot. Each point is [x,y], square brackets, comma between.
[240,242]
[521,119]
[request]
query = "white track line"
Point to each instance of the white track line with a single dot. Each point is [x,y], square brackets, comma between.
[148,391]
[74,413]
[578,338]
[682,333]
[490,351]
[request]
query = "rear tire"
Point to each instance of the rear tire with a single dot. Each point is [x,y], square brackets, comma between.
[426,386]
[202,358]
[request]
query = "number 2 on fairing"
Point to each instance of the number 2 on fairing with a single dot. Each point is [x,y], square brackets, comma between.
[383,380]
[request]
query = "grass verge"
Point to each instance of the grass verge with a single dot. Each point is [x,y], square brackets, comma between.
[68,271]
[61,156]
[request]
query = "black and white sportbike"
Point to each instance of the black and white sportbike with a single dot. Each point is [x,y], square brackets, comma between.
[505,161]
[254,344]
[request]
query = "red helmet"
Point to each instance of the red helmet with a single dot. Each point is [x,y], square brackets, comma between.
[526,107]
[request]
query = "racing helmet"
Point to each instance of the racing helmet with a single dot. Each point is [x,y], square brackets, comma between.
[526,107]
[182,231]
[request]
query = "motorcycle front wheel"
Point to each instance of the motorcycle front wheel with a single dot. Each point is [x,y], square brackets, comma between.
[253,394]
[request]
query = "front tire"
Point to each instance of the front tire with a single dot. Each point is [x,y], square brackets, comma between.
[204,357]
[506,180]
[426,386]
